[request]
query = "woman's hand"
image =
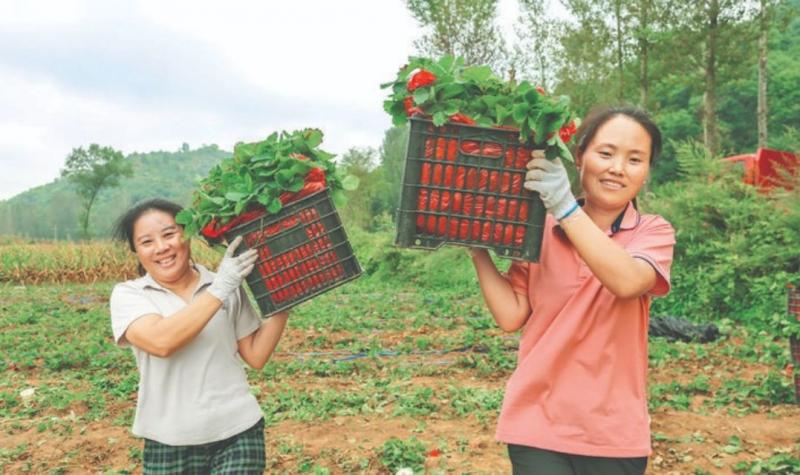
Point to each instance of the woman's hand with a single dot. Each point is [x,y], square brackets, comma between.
[549,179]
[232,270]
[162,336]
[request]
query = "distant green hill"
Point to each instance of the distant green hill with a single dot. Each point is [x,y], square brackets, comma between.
[52,210]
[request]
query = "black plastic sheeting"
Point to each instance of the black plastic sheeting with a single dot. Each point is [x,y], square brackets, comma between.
[676,328]
[671,328]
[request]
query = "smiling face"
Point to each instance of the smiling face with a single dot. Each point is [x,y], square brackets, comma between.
[615,164]
[160,246]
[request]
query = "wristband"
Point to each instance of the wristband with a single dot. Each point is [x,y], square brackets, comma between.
[571,210]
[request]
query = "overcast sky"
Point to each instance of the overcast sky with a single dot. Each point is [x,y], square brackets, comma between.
[151,75]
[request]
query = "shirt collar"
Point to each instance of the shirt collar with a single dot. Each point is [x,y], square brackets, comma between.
[629,218]
[205,279]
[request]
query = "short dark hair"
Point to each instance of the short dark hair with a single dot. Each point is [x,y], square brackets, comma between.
[598,117]
[123,228]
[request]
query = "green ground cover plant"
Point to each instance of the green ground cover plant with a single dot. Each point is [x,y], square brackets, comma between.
[377,355]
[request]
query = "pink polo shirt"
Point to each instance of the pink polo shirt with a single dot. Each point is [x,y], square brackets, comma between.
[580,382]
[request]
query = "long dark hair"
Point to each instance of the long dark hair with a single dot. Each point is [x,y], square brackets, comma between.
[598,117]
[123,228]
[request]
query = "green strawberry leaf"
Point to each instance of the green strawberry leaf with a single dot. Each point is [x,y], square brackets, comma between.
[450,91]
[421,95]
[234,196]
[477,73]
[296,185]
[184,217]
[274,205]
[257,174]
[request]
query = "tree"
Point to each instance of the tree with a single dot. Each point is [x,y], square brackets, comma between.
[364,203]
[91,171]
[644,41]
[585,71]
[618,33]
[710,132]
[463,28]
[714,35]
[723,23]
[763,40]
[651,20]
[393,160]
[359,161]
[535,52]
[784,76]
[618,21]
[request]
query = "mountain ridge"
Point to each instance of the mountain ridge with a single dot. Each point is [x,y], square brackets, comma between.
[51,211]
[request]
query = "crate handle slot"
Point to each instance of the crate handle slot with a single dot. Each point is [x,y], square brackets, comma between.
[481,149]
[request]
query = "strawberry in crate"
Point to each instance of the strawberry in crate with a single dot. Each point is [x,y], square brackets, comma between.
[279,194]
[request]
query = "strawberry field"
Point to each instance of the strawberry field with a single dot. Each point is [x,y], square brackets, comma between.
[400,369]
[382,373]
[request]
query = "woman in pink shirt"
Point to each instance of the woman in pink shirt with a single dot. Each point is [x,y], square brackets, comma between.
[577,402]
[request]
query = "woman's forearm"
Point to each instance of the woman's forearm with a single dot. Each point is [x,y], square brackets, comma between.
[256,348]
[162,336]
[509,309]
[621,274]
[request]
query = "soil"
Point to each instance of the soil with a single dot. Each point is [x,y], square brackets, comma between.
[701,439]
[685,442]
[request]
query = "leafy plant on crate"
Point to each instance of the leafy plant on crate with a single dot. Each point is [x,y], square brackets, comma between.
[263,177]
[447,90]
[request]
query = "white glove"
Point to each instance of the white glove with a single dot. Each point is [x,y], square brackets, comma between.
[232,270]
[549,179]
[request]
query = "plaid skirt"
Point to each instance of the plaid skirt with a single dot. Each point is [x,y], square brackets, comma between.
[241,454]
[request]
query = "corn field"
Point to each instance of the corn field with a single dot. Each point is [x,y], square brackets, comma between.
[66,262]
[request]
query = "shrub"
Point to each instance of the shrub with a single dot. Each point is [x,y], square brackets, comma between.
[736,248]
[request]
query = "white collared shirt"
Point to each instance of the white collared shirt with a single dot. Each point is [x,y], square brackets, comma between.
[199,394]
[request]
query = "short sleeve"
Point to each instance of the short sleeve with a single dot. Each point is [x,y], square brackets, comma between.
[517,276]
[654,243]
[245,319]
[128,303]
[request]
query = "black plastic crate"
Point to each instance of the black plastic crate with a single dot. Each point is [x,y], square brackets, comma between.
[463,185]
[303,251]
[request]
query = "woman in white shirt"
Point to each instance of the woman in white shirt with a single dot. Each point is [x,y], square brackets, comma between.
[188,328]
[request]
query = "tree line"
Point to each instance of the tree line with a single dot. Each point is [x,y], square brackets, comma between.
[723,73]
[720,72]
